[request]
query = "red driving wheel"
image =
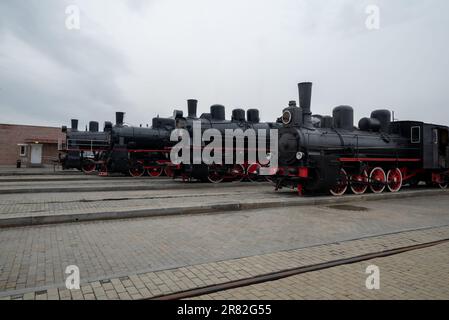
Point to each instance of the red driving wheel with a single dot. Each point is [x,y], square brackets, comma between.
[88,166]
[342,184]
[137,171]
[359,183]
[394,179]
[378,180]
[253,171]
[238,172]
[155,172]
[215,173]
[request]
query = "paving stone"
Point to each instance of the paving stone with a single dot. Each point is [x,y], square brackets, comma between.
[263,241]
[401,277]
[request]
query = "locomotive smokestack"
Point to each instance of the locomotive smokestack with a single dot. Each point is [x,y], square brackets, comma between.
[217,112]
[74,124]
[93,126]
[191,106]
[252,115]
[119,116]
[305,95]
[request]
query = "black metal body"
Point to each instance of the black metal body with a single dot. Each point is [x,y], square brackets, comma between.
[312,158]
[83,145]
[216,120]
[131,146]
[137,148]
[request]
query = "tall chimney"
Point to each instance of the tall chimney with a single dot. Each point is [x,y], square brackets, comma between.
[191,106]
[74,124]
[93,126]
[119,118]
[305,95]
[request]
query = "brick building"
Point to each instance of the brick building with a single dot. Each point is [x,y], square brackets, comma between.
[33,145]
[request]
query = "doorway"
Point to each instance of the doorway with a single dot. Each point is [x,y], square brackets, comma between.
[36,154]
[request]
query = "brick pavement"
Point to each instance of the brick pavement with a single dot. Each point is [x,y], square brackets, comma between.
[249,196]
[62,181]
[37,256]
[65,203]
[109,184]
[419,274]
[51,197]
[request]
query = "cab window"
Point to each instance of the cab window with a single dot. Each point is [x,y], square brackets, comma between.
[416,135]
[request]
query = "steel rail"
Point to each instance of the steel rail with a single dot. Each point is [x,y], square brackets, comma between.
[292,272]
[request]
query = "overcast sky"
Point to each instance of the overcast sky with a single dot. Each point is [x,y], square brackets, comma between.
[148,57]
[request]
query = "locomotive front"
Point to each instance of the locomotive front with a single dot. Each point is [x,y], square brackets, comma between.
[294,121]
[297,161]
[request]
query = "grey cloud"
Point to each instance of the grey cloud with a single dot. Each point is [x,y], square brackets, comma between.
[88,66]
[147,57]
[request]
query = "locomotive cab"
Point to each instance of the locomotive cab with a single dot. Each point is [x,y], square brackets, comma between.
[432,141]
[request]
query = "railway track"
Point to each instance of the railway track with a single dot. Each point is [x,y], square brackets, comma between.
[192,293]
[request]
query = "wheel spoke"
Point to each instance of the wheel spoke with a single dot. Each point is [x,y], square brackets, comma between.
[238,172]
[215,174]
[253,171]
[88,166]
[359,183]
[377,180]
[137,171]
[342,184]
[394,178]
[154,171]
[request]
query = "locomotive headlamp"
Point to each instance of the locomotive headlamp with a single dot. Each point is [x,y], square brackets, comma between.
[269,156]
[299,155]
[286,117]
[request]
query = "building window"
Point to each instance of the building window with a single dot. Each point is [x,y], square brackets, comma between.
[416,134]
[23,150]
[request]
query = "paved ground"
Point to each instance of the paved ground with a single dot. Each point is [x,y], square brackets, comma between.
[45,177]
[154,284]
[37,256]
[13,171]
[36,204]
[145,257]
[419,274]
[90,185]
[96,184]
[44,181]
[143,198]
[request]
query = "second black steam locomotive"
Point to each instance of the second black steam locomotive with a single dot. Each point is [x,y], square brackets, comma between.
[135,150]
[334,156]
[83,148]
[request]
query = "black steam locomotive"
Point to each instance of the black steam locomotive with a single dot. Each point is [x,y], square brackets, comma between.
[220,171]
[334,156]
[136,150]
[83,148]
[119,148]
